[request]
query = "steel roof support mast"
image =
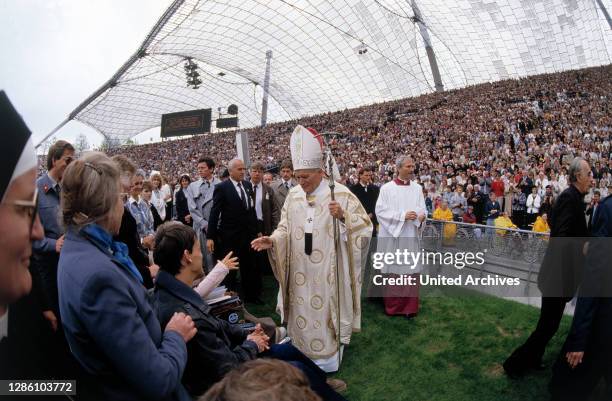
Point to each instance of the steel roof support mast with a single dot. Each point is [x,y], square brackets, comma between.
[431,55]
[266,88]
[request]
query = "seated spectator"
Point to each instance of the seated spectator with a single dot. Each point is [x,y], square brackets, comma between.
[262,379]
[541,224]
[218,346]
[450,230]
[110,326]
[503,221]
[470,218]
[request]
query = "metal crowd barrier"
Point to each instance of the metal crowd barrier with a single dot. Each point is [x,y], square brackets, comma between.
[507,252]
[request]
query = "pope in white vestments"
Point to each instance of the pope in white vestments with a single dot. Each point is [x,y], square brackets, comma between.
[401,210]
[303,257]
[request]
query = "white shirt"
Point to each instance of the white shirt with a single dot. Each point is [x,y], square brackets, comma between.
[157,199]
[4,325]
[166,192]
[258,199]
[242,193]
[533,203]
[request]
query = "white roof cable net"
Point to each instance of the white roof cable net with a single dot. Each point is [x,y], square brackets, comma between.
[331,55]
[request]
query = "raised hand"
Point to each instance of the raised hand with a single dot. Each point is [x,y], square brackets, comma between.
[230,262]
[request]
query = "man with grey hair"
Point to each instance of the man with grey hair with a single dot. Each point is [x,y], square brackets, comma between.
[232,226]
[561,271]
[401,210]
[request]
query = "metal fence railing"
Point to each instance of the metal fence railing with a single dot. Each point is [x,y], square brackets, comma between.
[508,252]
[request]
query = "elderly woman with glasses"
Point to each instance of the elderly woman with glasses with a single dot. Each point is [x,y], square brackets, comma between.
[109,324]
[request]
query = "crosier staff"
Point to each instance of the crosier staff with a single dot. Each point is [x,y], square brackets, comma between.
[329,164]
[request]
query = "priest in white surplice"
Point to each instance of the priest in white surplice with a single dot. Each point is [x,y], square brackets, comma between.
[303,256]
[400,211]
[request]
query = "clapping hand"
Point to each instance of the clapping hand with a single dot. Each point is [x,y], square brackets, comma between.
[260,338]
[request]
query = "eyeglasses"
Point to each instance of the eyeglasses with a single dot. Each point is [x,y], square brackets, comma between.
[28,209]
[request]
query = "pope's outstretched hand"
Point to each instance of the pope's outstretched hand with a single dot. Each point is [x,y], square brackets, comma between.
[261,243]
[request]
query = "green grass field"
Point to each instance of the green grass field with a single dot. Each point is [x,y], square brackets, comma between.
[452,351]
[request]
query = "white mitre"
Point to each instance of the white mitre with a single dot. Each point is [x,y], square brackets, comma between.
[306,148]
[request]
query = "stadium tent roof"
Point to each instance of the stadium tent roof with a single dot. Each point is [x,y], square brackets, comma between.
[335,54]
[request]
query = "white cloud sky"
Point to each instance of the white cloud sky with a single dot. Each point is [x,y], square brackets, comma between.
[55,53]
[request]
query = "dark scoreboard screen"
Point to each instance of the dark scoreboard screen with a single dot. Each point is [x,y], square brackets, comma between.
[228,122]
[191,122]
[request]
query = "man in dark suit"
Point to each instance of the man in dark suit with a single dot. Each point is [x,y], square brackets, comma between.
[367,193]
[232,226]
[592,208]
[281,187]
[267,211]
[478,201]
[560,273]
[585,358]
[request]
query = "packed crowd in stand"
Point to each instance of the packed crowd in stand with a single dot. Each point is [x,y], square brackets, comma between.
[504,137]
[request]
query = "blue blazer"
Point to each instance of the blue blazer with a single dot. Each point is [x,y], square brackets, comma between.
[111,328]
